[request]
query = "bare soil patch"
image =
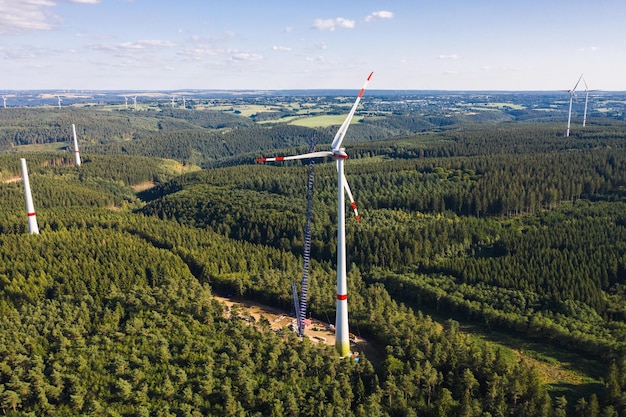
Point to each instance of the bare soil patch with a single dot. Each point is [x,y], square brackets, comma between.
[317,332]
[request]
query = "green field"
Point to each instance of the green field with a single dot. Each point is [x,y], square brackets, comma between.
[321,121]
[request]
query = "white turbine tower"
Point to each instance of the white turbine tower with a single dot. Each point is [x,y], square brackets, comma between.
[184,103]
[30,208]
[135,102]
[76,154]
[59,101]
[173,101]
[586,100]
[126,102]
[342,341]
[4,99]
[572,94]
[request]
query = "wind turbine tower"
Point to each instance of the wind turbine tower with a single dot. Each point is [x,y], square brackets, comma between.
[76,154]
[126,102]
[184,103]
[586,100]
[572,94]
[135,102]
[342,340]
[4,99]
[59,101]
[173,101]
[30,208]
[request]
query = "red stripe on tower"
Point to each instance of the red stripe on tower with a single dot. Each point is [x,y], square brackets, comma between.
[280,158]
[342,297]
[31,214]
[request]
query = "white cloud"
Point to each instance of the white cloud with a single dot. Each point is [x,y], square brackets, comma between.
[20,15]
[333,24]
[222,37]
[28,15]
[281,48]
[134,46]
[381,14]
[199,54]
[245,56]
[589,49]
[450,56]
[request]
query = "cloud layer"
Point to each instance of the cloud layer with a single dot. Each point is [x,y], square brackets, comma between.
[28,15]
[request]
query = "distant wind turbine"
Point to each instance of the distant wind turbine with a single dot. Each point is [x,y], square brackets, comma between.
[342,335]
[4,99]
[59,101]
[126,102]
[572,94]
[135,102]
[173,101]
[586,100]
[184,103]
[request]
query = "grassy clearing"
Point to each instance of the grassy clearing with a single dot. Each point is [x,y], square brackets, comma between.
[174,167]
[565,373]
[321,121]
[42,147]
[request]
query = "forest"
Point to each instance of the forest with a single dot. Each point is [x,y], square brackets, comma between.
[489,268]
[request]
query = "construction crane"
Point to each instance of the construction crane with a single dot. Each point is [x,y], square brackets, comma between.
[301,305]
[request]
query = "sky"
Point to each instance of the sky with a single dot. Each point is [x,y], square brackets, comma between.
[139,45]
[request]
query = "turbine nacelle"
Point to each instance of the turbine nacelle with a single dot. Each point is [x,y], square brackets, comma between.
[339,154]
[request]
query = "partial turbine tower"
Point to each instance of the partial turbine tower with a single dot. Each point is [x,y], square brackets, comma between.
[572,94]
[184,103]
[342,340]
[135,102]
[59,101]
[30,208]
[126,102]
[586,100]
[76,154]
[173,101]
[4,99]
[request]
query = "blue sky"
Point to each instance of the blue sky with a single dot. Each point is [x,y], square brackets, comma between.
[275,44]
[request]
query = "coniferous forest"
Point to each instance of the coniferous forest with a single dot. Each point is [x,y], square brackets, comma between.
[488,271]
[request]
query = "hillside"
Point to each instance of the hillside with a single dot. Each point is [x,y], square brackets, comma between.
[497,227]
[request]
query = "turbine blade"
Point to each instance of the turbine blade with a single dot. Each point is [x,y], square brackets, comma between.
[574,89]
[352,203]
[320,154]
[344,127]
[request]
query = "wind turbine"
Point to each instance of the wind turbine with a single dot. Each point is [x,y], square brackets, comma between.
[33,228]
[59,101]
[184,103]
[572,94]
[342,341]
[173,101]
[135,102]
[4,99]
[76,153]
[586,100]
[126,102]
